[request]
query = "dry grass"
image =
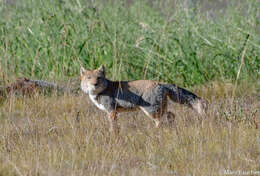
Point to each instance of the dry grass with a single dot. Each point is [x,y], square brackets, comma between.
[46,136]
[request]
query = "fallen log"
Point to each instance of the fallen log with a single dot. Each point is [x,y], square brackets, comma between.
[25,86]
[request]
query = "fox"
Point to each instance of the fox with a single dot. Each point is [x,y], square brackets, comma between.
[114,97]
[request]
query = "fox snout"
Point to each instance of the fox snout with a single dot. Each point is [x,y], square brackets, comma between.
[94,83]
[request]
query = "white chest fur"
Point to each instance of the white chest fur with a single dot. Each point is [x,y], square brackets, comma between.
[93,98]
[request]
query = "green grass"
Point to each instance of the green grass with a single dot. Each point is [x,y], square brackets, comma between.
[164,40]
[50,39]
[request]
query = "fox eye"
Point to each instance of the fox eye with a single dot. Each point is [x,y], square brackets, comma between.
[99,78]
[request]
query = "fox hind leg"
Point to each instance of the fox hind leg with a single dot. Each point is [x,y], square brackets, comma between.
[157,119]
[152,116]
[170,117]
[155,115]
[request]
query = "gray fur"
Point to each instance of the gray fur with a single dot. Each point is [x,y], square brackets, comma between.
[151,101]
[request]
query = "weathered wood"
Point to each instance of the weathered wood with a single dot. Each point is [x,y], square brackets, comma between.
[25,86]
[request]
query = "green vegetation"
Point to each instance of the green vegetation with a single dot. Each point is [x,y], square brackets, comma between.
[193,45]
[167,41]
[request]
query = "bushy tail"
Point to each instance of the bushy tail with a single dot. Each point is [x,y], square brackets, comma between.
[183,96]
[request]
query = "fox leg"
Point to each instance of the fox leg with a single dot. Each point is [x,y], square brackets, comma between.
[170,117]
[113,122]
[159,114]
[152,116]
[157,120]
[155,116]
[157,108]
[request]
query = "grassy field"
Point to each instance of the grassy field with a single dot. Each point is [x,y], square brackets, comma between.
[212,48]
[47,136]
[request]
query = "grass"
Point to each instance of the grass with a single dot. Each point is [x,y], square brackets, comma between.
[44,136]
[138,40]
[213,52]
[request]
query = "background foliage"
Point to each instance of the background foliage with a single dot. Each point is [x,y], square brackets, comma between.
[185,42]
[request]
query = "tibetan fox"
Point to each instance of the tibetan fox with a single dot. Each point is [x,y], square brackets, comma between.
[149,96]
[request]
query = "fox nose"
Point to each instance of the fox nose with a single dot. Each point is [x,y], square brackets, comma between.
[95,84]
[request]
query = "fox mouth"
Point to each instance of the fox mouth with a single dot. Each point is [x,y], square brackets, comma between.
[87,88]
[95,85]
[94,88]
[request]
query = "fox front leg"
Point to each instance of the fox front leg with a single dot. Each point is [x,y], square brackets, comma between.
[113,122]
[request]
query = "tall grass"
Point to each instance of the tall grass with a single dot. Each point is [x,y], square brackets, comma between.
[46,136]
[170,41]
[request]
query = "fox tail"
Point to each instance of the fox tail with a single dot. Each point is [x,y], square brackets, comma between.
[183,96]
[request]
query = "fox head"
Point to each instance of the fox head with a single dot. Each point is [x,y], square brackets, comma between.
[93,81]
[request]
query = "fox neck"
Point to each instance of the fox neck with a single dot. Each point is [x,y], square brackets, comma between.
[99,90]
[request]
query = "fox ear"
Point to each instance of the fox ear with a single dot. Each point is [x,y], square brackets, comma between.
[102,69]
[82,71]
